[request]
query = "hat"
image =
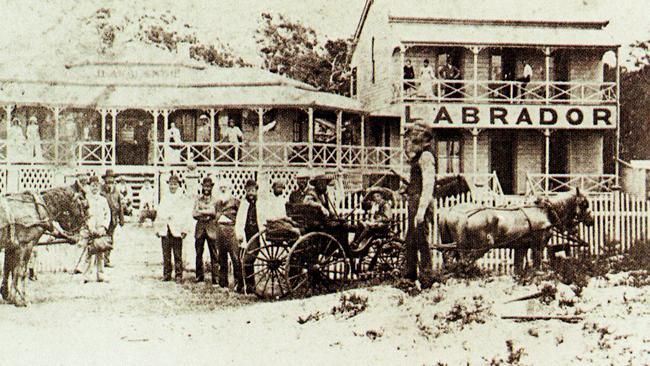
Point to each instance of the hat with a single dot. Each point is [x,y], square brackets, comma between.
[278,183]
[33,119]
[93,179]
[109,174]
[250,184]
[203,116]
[303,175]
[323,176]
[207,181]
[173,178]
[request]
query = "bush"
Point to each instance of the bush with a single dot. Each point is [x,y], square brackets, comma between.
[350,305]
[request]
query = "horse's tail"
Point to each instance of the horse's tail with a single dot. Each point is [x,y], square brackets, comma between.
[444,229]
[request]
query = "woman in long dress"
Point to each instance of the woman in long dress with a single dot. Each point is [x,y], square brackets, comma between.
[16,142]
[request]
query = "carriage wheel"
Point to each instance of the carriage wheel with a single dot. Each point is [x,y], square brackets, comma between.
[264,267]
[385,258]
[317,264]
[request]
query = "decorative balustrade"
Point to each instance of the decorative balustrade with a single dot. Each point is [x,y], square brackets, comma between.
[496,91]
[555,183]
[62,152]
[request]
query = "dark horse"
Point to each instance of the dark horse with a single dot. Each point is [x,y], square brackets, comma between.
[24,218]
[472,230]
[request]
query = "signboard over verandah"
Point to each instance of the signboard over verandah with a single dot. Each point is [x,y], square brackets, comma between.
[519,116]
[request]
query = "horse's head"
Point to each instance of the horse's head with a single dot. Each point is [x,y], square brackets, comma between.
[583,213]
[68,206]
[450,186]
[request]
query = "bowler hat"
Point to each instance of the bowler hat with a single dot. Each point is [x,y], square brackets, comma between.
[93,179]
[278,183]
[204,116]
[173,178]
[109,174]
[250,184]
[207,181]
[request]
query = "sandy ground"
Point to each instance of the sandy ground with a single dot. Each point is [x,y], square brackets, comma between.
[138,319]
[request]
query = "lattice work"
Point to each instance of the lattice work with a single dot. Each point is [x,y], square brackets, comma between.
[237,179]
[35,179]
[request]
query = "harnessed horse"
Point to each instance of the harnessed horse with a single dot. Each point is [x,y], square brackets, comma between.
[24,218]
[470,230]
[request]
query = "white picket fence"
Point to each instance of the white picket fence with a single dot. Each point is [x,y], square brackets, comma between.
[619,218]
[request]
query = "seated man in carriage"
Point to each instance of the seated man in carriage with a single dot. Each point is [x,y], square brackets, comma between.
[316,195]
[379,206]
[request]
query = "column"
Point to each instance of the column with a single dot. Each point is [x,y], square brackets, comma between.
[165,113]
[475,51]
[618,116]
[475,132]
[57,112]
[401,73]
[363,140]
[114,113]
[212,112]
[103,113]
[260,135]
[402,129]
[8,110]
[154,136]
[339,151]
[310,136]
[547,66]
[547,158]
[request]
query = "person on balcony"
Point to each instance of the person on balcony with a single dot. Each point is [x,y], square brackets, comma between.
[205,214]
[34,148]
[232,134]
[521,90]
[203,136]
[409,75]
[427,76]
[141,140]
[448,72]
[173,154]
[17,142]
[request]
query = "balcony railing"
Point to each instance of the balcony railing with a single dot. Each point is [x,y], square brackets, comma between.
[493,91]
[62,152]
[555,183]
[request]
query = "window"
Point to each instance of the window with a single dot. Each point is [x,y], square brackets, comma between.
[448,153]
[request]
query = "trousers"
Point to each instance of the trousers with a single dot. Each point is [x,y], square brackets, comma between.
[199,245]
[417,243]
[228,246]
[172,246]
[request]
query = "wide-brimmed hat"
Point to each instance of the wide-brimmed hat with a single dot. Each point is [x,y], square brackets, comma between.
[207,181]
[204,116]
[278,183]
[304,175]
[322,176]
[93,179]
[173,178]
[109,174]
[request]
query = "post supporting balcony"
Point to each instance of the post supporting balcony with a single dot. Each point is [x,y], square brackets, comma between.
[547,73]
[8,110]
[103,113]
[310,136]
[339,151]
[155,113]
[363,141]
[212,113]
[547,154]
[475,133]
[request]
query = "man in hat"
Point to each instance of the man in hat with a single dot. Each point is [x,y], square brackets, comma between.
[148,201]
[171,229]
[34,140]
[317,195]
[298,194]
[98,224]
[141,140]
[125,193]
[420,206]
[116,205]
[227,244]
[206,229]
[203,131]
[248,222]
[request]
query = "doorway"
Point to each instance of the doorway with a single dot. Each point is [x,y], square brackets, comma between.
[502,152]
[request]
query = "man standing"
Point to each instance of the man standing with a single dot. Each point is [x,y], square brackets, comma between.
[171,230]
[203,131]
[141,137]
[248,223]
[298,195]
[148,201]
[420,203]
[206,229]
[226,239]
[232,134]
[99,219]
[116,205]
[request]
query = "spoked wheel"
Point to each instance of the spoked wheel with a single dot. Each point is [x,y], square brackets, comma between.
[317,264]
[385,259]
[264,267]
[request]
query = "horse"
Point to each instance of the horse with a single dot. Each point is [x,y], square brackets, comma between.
[449,186]
[24,218]
[471,230]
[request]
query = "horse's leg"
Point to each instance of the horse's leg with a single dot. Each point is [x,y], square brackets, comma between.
[25,259]
[520,253]
[5,288]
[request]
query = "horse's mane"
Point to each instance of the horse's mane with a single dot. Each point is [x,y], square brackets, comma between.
[559,207]
[59,202]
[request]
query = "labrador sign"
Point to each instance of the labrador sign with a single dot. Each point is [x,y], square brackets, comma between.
[513,116]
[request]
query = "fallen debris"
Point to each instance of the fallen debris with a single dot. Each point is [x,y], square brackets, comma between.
[530,318]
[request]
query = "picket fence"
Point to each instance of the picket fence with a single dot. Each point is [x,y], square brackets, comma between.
[619,218]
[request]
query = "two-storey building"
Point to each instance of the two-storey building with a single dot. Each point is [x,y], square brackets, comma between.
[532,100]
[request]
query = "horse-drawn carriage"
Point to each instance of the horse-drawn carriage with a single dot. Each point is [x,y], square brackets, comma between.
[309,253]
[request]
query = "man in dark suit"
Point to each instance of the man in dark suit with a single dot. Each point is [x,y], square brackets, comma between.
[206,229]
[141,137]
[116,205]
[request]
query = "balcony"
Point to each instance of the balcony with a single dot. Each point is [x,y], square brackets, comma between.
[556,183]
[514,92]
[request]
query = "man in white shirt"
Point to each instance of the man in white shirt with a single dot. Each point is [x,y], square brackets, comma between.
[171,228]
[275,204]
[99,218]
[232,133]
[528,74]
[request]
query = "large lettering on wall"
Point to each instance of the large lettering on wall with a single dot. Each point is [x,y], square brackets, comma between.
[513,116]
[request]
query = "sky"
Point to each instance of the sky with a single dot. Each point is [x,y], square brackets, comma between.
[42,26]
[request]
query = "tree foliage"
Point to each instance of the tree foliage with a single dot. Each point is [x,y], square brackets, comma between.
[293,49]
[159,29]
[635,114]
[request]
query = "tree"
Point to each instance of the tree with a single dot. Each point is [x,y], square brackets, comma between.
[292,49]
[635,114]
[159,29]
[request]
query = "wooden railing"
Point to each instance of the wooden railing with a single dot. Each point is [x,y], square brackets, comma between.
[555,183]
[496,91]
[62,152]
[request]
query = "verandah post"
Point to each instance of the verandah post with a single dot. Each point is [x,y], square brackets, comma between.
[310,136]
